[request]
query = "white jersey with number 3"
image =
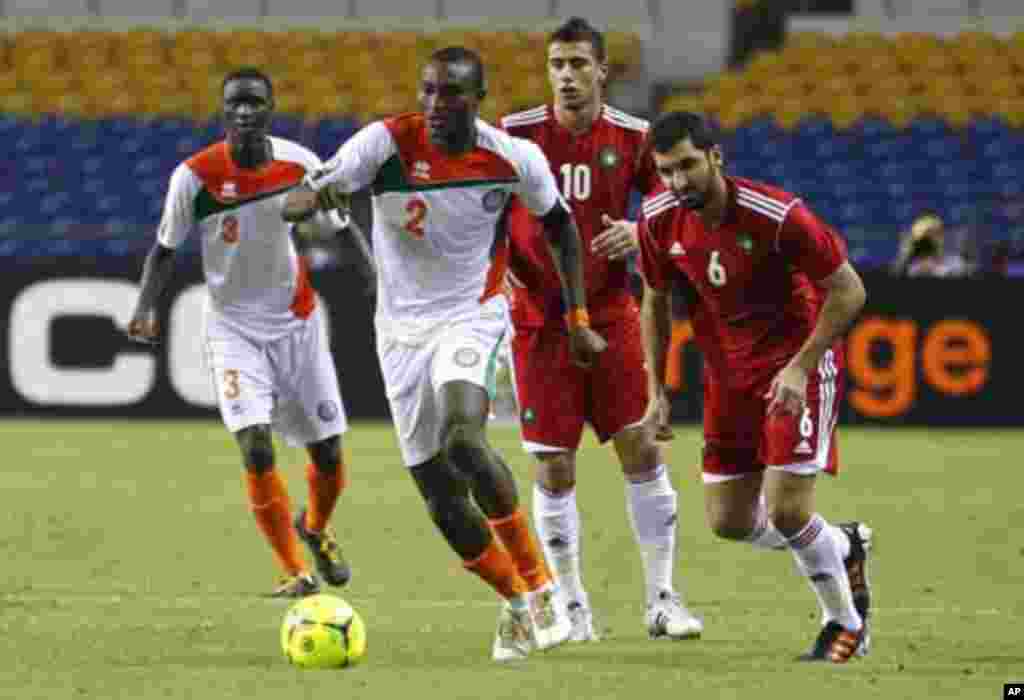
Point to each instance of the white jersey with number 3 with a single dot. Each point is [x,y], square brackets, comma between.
[438,219]
[255,277]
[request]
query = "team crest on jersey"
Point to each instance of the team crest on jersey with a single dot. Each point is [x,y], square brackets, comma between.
[529,416]
[494,200]
[229,190]
[327,411]
[608,158]
[421,170]
[467,357]
[746,242]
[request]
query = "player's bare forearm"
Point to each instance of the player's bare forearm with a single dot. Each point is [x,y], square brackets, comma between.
[567,251]
[156,273]
[300,204]
[844,298]
[656,322]
[359,239]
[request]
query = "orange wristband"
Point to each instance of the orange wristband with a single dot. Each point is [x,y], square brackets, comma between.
[577,318]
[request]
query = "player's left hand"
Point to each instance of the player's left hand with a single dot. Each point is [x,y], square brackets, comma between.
[788,391]
[618,239]
[585,344]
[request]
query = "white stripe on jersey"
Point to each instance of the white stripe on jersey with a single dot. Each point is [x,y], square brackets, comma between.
[626,121]
[660,204]
[767,205]
[526,117]
[656,202]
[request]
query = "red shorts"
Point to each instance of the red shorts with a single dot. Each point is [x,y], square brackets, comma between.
[556,397]
[740,439]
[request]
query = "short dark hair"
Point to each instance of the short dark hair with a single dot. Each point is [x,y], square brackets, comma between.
[672,127]
[578,29]
[248,73]
[460,54]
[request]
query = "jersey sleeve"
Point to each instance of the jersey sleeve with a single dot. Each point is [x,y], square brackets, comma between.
[811,245]
[356,163]
[653,261]
[537,187]
[179,217]
[645,174]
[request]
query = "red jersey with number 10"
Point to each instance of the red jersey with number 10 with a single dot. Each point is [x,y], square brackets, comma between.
[753,300]
[596,172]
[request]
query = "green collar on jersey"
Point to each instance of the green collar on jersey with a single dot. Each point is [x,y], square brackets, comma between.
[392,178]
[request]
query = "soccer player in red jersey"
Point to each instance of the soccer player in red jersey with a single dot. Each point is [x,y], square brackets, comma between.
[598,156]
[770,292]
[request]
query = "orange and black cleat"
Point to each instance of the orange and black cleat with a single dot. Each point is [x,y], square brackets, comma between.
[835,644]
[861,542]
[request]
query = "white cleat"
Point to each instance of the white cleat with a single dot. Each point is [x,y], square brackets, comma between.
[667,617]
[551,624]
[582,619]
[514,639]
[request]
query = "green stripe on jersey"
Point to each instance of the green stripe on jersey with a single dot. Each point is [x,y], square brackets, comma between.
[205,204]
[391,178]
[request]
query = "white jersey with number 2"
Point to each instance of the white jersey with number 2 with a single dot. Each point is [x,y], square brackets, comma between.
[438,219]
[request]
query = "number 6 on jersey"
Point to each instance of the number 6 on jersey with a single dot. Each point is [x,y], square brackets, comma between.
[716,270]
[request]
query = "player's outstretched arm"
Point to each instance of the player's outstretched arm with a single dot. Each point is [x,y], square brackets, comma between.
[656,322]
[156,273]
[564,241]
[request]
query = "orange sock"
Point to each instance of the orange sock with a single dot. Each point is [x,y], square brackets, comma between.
[514,532]
[495,566]
[268,499]
[324,490]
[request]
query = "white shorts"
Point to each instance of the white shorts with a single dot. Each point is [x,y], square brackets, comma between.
[289,383]
[464,350]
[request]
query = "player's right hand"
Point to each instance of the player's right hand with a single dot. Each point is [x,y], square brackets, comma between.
[144,328]
[658,416]
[585,345]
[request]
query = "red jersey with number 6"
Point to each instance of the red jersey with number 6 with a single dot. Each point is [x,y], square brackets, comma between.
[752,295]
[596,172]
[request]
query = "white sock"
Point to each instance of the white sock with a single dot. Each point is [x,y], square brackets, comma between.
[817,555]
[558,528]
[652,513]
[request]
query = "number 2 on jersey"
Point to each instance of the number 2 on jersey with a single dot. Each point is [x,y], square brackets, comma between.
[417,210]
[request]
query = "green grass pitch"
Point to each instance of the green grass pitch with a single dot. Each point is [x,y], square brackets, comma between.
[132,569]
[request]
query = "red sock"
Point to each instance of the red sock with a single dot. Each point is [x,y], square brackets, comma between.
[268,499]
[495,566]
[324,490]
[514,532]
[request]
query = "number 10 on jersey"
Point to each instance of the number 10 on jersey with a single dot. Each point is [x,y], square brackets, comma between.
[575,181]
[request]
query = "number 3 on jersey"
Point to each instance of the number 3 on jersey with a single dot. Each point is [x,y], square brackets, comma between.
[716,270]
[417,210]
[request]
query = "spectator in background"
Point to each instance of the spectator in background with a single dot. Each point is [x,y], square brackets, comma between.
[922,252]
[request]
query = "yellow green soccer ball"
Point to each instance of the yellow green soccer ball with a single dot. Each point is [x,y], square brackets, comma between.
[323,631]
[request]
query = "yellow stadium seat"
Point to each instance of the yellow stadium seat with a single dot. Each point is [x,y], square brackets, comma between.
[846,112]
[9,83]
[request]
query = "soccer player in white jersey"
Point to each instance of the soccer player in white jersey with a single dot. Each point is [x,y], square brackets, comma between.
[441,182]
[266,341]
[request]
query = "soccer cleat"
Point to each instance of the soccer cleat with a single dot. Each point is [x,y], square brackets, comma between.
[857,570]
[325,550]
[668,617]
[582,619]
[513,640]
[835,644]
[298,586]
[551,624]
